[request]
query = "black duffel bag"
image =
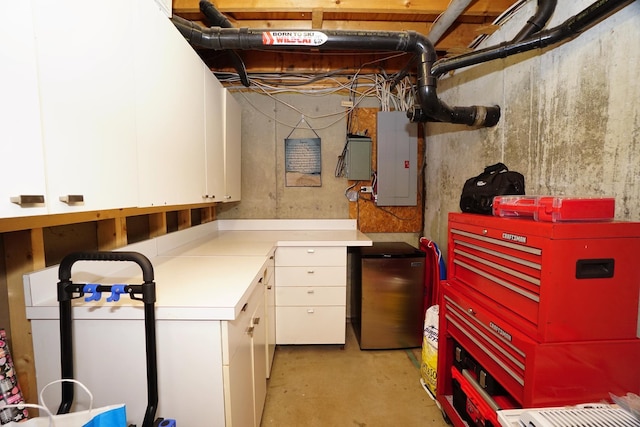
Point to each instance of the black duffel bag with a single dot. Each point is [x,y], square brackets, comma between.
[496,180]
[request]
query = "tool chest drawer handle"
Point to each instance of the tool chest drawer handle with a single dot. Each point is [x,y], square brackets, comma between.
[595,268]
[64,270]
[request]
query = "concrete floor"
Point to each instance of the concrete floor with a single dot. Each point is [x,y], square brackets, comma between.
[333,387]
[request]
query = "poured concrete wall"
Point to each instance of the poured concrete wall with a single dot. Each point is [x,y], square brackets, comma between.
[570,123]
[266,122]
[570,118]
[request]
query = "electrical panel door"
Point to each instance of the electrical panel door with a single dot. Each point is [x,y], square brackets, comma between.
[397,183]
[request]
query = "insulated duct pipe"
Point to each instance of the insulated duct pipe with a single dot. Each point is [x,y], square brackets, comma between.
[568,30]
[446,19]
[431,107]
[537,22]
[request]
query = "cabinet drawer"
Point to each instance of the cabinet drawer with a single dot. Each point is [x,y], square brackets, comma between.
[310,255]
[311,276]
[311,325]
[311,296]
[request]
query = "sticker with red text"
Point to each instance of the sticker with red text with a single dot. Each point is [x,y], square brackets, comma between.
[294,38]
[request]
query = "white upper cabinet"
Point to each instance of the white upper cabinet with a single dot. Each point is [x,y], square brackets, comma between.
[21,155]
[113,112]
[232,148]
[214,137]
[87,108]
[169,90]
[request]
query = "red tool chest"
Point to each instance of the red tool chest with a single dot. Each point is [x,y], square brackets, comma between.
[537,314]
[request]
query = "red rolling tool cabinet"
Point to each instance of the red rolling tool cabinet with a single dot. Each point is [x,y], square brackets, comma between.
[537,314]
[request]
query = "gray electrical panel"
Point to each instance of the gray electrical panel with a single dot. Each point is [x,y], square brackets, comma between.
[397,182]
[358,159]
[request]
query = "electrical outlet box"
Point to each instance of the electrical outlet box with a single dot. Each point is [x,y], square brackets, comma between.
[358,159]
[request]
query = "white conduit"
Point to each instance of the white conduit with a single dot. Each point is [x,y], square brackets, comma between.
[446,19]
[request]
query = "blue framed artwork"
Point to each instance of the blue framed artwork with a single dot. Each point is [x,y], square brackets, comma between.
[303,162]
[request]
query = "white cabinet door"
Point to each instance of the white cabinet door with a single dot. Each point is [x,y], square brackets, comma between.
[232,148]
[243,358]
[21,155]
[270,314]
[258,356]
[169,91]
[86,86]
[214,137]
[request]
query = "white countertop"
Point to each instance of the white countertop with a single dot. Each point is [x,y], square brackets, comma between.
[205,273]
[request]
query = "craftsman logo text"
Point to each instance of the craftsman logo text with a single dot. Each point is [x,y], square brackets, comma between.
[514,237]
[504,334]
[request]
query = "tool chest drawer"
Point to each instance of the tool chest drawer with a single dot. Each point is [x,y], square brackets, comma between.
[531,374]
[311,255]
[493,341]
[568,281]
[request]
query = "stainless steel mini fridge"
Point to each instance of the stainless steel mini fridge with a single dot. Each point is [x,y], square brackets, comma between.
[388,296]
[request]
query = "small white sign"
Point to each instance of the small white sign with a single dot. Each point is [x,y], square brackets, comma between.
[294,38]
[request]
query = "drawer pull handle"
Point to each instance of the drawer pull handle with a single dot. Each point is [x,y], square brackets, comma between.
[310,310]
[260,280]
[25,199]
[256,321]
[310,271]
[310,251]
[250,331]
[269,287]
[72,199]
[244,307]
[311,291]
[481,392]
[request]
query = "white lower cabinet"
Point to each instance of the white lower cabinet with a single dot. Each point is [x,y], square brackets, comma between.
[243,362]
[311,293]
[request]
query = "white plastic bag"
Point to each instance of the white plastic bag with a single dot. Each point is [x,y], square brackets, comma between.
[105,416]
[429,363]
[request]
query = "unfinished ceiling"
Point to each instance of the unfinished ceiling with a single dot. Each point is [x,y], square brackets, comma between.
[373,15]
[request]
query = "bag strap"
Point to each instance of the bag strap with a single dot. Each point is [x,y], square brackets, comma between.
[66,380]
[498,167]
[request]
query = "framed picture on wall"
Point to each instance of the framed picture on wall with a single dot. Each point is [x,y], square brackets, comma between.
[303,165]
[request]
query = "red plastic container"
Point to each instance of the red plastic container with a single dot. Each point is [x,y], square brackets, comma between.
[555,208]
